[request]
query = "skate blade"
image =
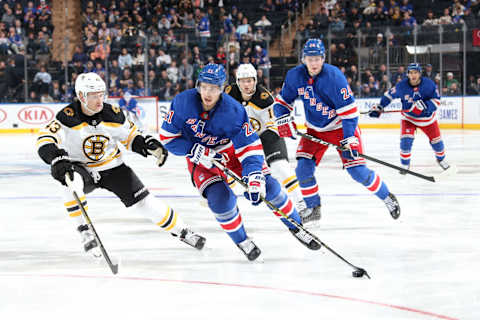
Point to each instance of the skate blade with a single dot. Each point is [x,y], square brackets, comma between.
[445,175]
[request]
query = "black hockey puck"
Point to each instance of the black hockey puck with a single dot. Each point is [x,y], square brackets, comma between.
[357,273]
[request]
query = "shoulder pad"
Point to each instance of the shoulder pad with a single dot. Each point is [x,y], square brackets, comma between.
[70,115]
[112,114]
[234,92]
[262,97]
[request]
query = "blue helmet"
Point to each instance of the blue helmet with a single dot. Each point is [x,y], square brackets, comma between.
[414,66]
[314,47]
[213,74]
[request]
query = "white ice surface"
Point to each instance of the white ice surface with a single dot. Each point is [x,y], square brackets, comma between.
[425,265]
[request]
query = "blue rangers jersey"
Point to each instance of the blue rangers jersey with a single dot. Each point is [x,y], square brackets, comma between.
[427,91]
[227,123]
[327,99]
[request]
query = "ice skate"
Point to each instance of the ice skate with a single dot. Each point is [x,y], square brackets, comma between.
[249,248]
[306,239]
[404,167]
[444,164]
[192,239]
[393,206]
[310,216]
[89,242]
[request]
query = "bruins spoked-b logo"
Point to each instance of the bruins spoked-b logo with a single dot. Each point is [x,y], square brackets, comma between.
[255,124]
[94,147]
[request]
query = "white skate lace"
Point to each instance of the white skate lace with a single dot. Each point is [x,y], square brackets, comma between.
[391,205]
[247,245]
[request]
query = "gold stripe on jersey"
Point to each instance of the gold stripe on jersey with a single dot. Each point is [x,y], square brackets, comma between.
[253,105]
[114,155]
[295,186]
[80,126]
[169,220]
[133,133]
[43,141]
[112,124]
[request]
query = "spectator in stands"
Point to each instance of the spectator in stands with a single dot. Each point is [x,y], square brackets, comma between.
[221,57]
[8,18]
[173,72]
[262,60]
[377,52]
[125,78]
[321,18]
[451,84]
[203,29]
[263,22]
[42,80]
[4,44]
[163,59]
[472,86]
[79,55]
[430,20]
[406,7]
[3,81]
[55,91]
[399,75]
[384,85]
[429,72]
[101,51]
[243,27]
[139,58]
[408,21]
[453,90]
[446,18]
[125,59]
[185,70]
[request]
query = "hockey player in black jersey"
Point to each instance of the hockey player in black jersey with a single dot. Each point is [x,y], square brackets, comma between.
[258,102]
[82,141]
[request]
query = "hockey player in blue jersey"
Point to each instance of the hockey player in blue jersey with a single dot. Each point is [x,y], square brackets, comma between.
[420,100]
[331,114]
[205,124]
[134,112]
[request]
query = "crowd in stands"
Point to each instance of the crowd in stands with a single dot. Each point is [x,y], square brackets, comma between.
[156,48]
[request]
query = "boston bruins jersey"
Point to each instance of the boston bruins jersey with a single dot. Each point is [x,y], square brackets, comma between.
[259,107]
[90,140]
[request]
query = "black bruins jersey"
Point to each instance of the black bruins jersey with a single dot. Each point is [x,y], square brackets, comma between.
[90,140]
[259,107]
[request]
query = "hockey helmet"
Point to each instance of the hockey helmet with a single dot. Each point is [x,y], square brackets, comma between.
[314,47]
[414,66]
[213,74]
[89,82]
[246,70]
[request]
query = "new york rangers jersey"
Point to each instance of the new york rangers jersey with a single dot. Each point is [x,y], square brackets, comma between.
[327,99]
[92,141]
[186,123]
[259,107]
[427,91]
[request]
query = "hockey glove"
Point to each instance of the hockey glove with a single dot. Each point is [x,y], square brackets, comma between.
[286,127]
[350,148]
[60,166]
[155,148]
[202,155]
[256,187]
[418,107]
[375,111]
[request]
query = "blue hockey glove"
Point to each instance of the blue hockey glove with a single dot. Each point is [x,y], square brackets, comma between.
[256,187]
[350,148]
[375,111]
[418,107]
[202,155]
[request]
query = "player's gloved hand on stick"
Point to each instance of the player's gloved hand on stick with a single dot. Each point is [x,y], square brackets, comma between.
[256,187]
[418,107]
[155,148]
[350,148]
[286,126]
[60,166]
[375,111]
[202,155]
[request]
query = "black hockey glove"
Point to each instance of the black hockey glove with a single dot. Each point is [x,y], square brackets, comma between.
[60,166]
[155,148]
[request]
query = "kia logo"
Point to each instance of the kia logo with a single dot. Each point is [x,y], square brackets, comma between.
[3,115]
[35,115]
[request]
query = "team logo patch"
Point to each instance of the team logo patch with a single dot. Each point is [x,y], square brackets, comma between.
[255,124]
[228,89]
[264,95]
[94,147]
[69,112]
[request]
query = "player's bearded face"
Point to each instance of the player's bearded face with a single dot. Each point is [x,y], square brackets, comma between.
[314,64]
[210,94]
[247,85]
[95,102]
[414,77]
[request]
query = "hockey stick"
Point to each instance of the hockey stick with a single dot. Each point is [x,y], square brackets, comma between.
[413,173]
[359,271]
[113,267]
[385,111]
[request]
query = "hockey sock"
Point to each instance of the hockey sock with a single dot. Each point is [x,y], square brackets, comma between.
[223,202]
[308,184]
[160,214]
[73,209]
[280,199]
[370,180]
[281,170]
[438,147]
[405,150]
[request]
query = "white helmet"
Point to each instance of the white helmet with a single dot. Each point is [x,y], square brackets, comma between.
[247,70]
[89,82]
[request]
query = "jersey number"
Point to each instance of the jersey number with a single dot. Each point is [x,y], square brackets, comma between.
[168,116]
[53,126]
[346,92]
[248,129]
